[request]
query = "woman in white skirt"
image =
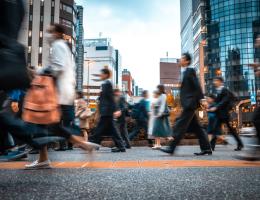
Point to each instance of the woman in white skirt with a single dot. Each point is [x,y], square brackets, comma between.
[151,117]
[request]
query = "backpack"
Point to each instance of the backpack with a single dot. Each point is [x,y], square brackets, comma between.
[41,102]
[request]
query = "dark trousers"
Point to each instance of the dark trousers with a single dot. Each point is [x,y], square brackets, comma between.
[105,125]
[188,122]
[67,120]
[20,130]
[256,121]
[139,125]
[124,133]
[232,131]
[6,140]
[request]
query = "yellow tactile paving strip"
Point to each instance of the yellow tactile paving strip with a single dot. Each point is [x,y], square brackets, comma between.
[140,164]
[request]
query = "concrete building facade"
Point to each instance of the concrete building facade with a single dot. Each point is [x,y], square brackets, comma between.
[170,74]
[39,15]
[99,54]
[79,48]
[127,82]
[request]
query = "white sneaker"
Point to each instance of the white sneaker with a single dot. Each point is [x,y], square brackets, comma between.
[39,165]
[89,146]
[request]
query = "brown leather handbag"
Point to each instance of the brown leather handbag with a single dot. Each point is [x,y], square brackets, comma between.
[41,102]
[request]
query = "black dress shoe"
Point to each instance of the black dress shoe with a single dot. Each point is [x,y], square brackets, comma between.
[117,150]
[202,153]
[128,147]
[168,150]
[239,147]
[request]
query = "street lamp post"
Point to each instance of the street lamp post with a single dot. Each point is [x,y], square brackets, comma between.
[88,79]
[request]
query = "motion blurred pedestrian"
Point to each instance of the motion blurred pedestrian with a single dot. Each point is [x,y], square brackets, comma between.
[224,103]
[190,96]
[14,74]
[161,127]
[254,153]
[140,112]
[213,123]
[83,112]
[62,67]
[121,121]
[109,113]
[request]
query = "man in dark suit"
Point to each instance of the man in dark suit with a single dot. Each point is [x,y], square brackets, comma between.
[121,121]
[223,106]
[108,113]
[190,96]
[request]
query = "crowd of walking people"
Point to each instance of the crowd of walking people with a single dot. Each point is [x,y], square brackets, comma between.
[44,108]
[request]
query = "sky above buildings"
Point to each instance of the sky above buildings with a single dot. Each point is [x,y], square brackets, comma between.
[142,30]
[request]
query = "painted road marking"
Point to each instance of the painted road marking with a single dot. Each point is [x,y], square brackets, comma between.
[139,164]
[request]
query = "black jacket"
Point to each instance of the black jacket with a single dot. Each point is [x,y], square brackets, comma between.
[107,104]
[123,107]
[223,104]
[191,92]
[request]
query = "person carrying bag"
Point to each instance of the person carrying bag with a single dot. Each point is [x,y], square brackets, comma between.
[41,102]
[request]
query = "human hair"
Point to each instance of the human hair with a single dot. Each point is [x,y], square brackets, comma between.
[106,72]
[80,94]
[161,89]
[219,78]
[144,93]
[58,28]
[187,57]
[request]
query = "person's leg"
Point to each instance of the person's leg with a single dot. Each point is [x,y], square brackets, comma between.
[85,134]
[234,134]
[181,126]
[136,131]
[67,120]
[256,122]
[124,134]
[213,142]
[43,154]
[159,142]
[23,131]
[99,131]
[115,134]
[201,134]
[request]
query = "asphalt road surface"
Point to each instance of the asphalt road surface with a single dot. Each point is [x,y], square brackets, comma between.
[141,173]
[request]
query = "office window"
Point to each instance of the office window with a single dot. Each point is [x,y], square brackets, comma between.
[30,18]
[66,8]
[31,2]
[30,33]
[40,50]
[40,34]
[29,49]
[66,23]
[52,3]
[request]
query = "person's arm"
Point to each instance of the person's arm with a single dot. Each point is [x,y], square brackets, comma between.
[15,95]
[194,81]
[162,105]
[56,62]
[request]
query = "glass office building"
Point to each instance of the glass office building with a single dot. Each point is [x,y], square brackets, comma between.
[232,27]
[186,26]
